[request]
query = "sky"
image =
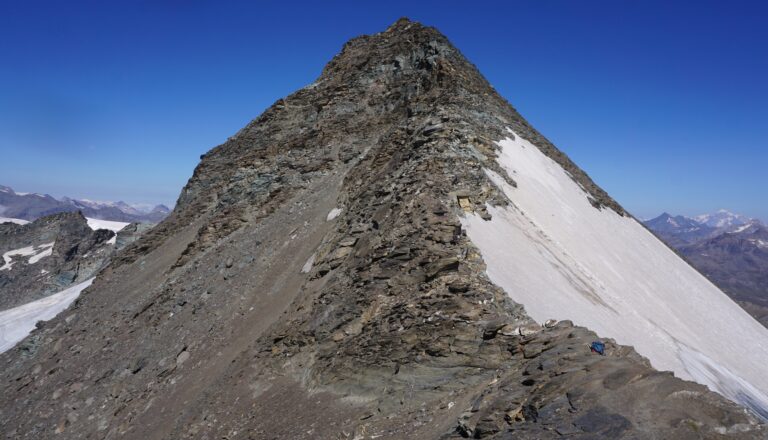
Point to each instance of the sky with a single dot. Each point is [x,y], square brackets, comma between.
[662,103]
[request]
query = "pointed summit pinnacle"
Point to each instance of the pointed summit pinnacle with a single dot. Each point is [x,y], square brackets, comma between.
[401,24]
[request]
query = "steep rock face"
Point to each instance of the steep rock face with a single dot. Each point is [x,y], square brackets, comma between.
[314,281]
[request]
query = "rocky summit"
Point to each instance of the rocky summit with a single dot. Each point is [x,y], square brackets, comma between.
[314,281]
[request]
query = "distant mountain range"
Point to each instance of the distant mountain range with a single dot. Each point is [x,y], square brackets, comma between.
[729,249]
[679,230]
[31,206]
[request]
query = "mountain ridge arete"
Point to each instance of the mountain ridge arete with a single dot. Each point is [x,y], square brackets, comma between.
[316,279]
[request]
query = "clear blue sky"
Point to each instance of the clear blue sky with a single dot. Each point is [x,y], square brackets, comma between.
[663,103]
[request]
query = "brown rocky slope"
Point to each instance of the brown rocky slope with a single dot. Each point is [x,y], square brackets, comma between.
[252,313]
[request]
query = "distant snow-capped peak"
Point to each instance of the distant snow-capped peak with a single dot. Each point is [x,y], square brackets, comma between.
[722,219]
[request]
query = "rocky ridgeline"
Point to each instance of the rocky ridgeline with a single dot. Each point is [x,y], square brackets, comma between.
[252,313]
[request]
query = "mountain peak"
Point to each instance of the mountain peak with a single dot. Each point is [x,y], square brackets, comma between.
[722,218]
[401,23]
[409,77]
[362,251]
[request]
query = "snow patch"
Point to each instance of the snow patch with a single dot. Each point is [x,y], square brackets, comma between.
[308,265]
[741,228]
[48,250]
[35,254]
[113,226]
[18,221]
[18,322]
[333,214]
[42,196]
[553,252]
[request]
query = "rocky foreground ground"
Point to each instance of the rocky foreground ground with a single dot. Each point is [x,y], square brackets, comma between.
[314,281]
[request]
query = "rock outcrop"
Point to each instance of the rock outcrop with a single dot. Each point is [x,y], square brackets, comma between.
[314,281]
[63,251]
[54,253]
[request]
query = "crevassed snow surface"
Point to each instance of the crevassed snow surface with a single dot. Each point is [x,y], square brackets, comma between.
[35,254]
[561,258]
[18,322]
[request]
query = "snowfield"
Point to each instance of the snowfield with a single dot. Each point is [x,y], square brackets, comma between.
[553,252]
[18,322]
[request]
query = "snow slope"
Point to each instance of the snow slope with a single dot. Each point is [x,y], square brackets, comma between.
[18,322]
[561,258]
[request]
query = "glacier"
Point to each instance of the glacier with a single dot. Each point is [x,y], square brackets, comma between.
[18,322]
[562,258]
